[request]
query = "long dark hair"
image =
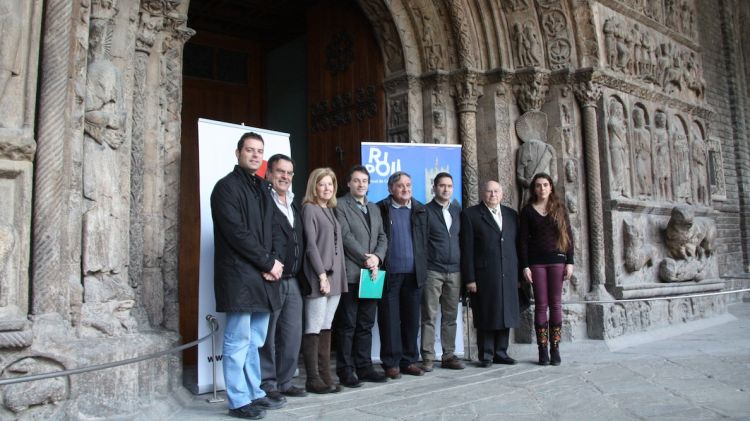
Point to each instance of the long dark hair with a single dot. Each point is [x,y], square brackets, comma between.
[555,209]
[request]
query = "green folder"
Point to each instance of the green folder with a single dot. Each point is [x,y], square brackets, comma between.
[369,288]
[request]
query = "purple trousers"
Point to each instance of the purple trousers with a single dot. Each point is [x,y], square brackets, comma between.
[548,285]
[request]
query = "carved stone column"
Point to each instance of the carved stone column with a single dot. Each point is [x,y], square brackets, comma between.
[466,93]
[588,94]
[48,187]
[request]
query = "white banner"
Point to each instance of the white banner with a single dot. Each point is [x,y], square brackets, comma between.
[217,142]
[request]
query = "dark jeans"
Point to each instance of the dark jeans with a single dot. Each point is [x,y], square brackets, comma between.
[548,283]
[353,324]
[398,320]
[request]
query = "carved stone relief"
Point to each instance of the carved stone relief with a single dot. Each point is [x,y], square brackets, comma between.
[716,170]
[643,153]
[690,241]
[637,253]
[645,55]
[662,166]
[527,46]
[535,155]
[555,29]
[680,160]
[699,165]
[32,399]
[618,149]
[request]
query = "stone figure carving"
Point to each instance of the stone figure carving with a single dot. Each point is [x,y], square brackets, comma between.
[535,155]
[571,171]
[690,241]
[699,167]
[10,29]
[637,253]
[642,144]
[610,41]
[618,149]
[527,45]
[662,169]
[104,246]
[7,244]
[681,161]
[572,204]
[22,396]
[516,5]
[693,75]
[111,318]
[569,141]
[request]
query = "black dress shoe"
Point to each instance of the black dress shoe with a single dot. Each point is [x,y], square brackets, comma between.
[248,412]
[275,396]
[295,392]
[372,376]
[504,360]
[485,363]
[350,380]
[265,403]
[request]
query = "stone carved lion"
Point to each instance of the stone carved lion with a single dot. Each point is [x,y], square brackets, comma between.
[688,236]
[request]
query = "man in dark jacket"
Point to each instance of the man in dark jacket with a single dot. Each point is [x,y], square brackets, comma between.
[405,220]
[489,269]
[246,275]
[443,286]
[278,357]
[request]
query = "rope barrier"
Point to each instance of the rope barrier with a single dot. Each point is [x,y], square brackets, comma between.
[670,297]
[214,328]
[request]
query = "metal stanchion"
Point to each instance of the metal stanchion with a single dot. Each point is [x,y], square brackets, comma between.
[467,327]
[213,324]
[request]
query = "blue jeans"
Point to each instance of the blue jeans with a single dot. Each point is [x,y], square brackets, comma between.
[243,335]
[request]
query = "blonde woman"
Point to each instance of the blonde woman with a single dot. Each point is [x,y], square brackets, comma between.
[325,271]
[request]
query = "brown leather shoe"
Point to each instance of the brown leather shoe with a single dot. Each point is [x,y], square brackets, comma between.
[453,363]
[393,373]
[413,370]
[427,365]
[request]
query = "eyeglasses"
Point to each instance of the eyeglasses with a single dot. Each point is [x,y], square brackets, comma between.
[282,172]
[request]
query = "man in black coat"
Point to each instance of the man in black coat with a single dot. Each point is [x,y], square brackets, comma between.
[405,221]
[246,275]
[278,357]
[489,269]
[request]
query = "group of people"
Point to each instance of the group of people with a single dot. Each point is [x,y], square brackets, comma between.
[288,277]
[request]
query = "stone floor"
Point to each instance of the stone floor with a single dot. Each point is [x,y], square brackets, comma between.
[698,371]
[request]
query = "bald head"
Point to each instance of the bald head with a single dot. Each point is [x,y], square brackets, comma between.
[492,193]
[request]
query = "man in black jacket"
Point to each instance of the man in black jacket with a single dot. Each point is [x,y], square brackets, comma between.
[246,275]
[405,222]
[278,357]
[443,285]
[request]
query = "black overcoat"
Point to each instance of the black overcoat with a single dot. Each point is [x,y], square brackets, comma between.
[242,212]
[489,258]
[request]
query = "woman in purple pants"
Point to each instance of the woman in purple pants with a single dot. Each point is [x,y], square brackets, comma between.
[546,256]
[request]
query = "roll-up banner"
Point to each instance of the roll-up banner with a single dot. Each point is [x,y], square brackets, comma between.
[422,161]
[217,142]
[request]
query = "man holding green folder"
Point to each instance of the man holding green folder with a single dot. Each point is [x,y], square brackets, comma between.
[365,245]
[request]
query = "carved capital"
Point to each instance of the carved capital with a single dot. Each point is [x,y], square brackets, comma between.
[587,93]
[466,92]
[148,27]
[532,91]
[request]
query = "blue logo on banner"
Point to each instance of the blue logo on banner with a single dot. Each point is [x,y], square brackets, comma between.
[421,161]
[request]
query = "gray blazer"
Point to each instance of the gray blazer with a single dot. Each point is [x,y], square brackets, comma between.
[359,237]
[324,253]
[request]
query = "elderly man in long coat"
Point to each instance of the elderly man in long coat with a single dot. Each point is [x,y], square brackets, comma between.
[489,269]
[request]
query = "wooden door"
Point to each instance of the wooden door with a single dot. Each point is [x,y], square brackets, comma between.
[222,81]
[345,81]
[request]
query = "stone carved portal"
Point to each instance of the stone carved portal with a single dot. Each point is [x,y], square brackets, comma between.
[643,66]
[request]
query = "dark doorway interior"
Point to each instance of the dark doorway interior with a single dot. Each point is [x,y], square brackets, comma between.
[309,68]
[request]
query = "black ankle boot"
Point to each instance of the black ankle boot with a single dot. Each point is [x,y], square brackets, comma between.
[554,349]
[541,341]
